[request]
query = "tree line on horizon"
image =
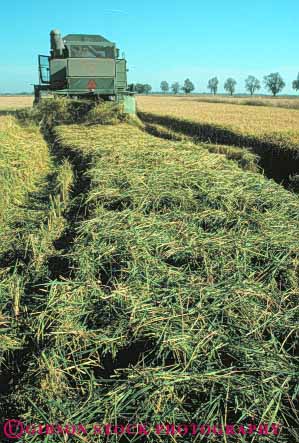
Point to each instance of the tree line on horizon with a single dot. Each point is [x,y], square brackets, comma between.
[273,82]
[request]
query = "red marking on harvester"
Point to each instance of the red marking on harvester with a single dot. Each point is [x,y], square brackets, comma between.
[91,84]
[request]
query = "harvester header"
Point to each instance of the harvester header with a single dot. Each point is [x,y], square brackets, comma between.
[84,66]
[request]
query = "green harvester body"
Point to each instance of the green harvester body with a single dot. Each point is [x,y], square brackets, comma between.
[84,66]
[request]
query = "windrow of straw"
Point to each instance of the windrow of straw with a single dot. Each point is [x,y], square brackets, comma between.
[270,133]
[244,157]
[183,302]
[23,156]
[61,110]
[24,162]
[34,194]
[268,124]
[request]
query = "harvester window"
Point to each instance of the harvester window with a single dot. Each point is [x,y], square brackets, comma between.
[91,51]
[44,68]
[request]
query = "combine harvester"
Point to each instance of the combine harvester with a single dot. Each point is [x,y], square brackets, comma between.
[84,66]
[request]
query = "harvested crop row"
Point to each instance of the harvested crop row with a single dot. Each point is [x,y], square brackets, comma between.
[34,195]
[276,148]
[24,162]
[268,124]
[245,159]
[24,157]
[183,306]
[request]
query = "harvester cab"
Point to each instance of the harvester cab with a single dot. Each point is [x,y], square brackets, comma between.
[84,66]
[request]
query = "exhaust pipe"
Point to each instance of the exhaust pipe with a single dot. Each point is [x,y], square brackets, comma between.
[57,45]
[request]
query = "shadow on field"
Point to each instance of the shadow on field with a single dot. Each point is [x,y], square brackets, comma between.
[8,112]
[277,161]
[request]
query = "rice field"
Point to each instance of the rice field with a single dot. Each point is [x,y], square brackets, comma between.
[15,102]
[269,124]
[157,280]
[280,102]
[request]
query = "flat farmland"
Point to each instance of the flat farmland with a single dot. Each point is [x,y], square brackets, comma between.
[148,272]
[264,122]
[289,102]
[15,101]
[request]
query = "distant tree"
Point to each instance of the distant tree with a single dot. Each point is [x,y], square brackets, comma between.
[164,86]
[147,88]
[252,84]
[274,83]
[230,85]
[131,87]
[188,86]
[213,85]
[295,84]
[175,87]
[139,88]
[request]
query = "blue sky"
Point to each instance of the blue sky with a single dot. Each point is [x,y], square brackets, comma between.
[162,40]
